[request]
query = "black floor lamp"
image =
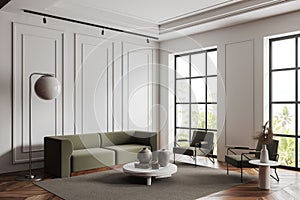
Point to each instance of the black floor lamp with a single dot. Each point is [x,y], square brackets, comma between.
[46,87]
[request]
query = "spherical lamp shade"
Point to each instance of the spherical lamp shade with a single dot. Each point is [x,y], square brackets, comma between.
[47,87]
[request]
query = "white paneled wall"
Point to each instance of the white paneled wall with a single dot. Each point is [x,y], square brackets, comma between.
[240,93]
[138,87]
[34,50]
[118,88]
[114,89]
[93,56]
[109,85]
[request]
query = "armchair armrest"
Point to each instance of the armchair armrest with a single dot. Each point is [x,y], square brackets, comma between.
[248,153]
[257,152]
[230,149]
[57,156]
[238,147]
[182,140]
[276,157]
[199,144]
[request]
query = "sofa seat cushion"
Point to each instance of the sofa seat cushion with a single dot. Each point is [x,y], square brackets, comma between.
[91,158]
[237,161]
[190,151]
[126,152]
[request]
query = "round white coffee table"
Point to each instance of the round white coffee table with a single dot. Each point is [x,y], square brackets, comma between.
[264,172]
[162,172]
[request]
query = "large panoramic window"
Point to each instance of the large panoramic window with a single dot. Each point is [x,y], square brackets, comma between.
[284,88]
[196,94]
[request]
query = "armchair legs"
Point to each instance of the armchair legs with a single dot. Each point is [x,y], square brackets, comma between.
[277,177]
[193,157]
[211,158]
[241,174]
[227,169]
[174,159]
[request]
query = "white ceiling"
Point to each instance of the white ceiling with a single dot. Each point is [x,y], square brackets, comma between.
[154,11]
[159,18]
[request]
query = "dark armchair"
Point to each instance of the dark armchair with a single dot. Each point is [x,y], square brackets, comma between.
[241,160]
[202,144]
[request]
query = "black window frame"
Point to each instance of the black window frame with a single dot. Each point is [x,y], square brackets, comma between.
[296,102]
[189,78]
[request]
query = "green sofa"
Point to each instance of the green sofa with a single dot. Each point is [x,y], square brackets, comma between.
[72,153]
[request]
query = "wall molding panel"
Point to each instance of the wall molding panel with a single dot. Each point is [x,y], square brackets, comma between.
[126,80]
[110,86]
[138,86]
[35,49]
[93,69]
[239,62]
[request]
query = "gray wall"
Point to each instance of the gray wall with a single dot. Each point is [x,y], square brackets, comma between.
[240,71]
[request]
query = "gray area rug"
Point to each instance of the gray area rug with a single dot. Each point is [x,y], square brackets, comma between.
[188,183]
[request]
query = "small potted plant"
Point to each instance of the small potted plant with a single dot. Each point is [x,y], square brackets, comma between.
[265,136]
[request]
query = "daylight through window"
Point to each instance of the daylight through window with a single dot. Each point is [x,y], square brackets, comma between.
[196,94]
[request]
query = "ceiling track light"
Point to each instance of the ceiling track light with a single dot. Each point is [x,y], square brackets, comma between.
[44,15]
[147,40]
[44,20]
[102,32]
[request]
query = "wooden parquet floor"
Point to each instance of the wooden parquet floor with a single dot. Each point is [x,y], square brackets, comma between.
[17,190]
[287,189]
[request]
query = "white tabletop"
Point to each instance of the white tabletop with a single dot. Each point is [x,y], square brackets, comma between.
[269,163]
[162,171]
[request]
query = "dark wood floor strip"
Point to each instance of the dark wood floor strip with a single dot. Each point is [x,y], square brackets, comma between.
[287,188]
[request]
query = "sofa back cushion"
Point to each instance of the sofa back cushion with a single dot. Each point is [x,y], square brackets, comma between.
[116,138]
[84,141]
[146,138]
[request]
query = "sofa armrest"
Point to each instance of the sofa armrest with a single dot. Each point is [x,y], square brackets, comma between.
[57,156]
[146,138]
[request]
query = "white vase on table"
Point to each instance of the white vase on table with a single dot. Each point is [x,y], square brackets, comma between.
[264,154]
[163,157]
[144,155]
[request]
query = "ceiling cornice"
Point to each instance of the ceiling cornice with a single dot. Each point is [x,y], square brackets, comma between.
[217,14]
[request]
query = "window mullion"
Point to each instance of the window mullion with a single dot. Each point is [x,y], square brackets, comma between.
[175,105]
[190,98]
[270,85]
[296,104]
[206,121]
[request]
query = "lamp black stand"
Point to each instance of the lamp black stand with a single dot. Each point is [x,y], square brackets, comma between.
[43,95]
